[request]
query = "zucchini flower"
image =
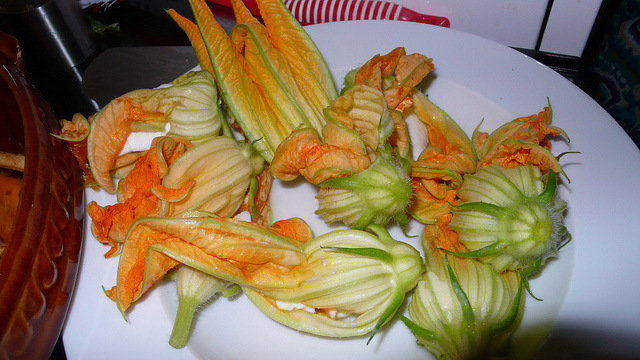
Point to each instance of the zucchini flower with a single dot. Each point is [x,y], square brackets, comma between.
[272,77]
[509,218]
[221,170]
[189,105]
[462,309]
[342,283]
[360,181]
[439,169]
[354,283]
[171,178]
[372,196]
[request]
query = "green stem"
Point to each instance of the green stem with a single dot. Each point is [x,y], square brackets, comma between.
[181,327]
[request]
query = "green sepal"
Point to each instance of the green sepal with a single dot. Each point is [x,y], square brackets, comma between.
[388,313]
[253,189]
[566,234]
[368,252]
[418,330]
[513,312]
[231,291]
[491,209]
[528,271]
[465,305]
[489,250]
[549,192]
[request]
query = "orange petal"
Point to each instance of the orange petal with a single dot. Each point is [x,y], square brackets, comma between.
[110,129]
[441,236]
[372,72]
[430,204]
[193,33]
[410,71]
[133,277]
[288,159]
[295,228]
[513,152]
[400,137]
[261,200]
[303,153]
[242,13]
[137,193]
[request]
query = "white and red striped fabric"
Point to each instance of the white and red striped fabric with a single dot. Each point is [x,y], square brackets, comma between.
[310,12]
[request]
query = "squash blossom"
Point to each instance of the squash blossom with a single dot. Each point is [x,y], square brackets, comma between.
[189,104]
[354,283]
[342,283]
[373,196]
[272,77]
[221,170]
[462,309]
[509,218]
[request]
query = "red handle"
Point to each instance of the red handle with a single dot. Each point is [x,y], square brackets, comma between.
[310,12]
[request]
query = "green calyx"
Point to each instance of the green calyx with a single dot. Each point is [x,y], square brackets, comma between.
[373,196]
[513,221]
[401,259]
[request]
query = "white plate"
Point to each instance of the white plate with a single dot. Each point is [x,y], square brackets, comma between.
[591,289]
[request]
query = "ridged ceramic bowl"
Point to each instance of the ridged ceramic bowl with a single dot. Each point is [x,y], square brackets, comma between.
[39,264]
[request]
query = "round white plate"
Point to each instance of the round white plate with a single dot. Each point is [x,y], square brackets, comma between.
[589,292]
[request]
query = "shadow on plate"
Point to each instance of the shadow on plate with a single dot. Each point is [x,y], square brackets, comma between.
[588,342]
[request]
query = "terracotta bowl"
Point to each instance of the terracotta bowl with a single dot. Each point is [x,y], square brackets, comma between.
[39,262]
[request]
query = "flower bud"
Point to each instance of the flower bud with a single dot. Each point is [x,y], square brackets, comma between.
[509,219]
[375,195]
[462,309]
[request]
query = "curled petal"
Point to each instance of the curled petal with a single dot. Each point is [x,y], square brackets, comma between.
[377,67]
[410,71]
[514,152]
[450,168]
[400,137]
[429,205]
[521,141]
[533,128]
[256,201]
[110,129]
[75,130]
[125,163]
[443,131]
[295,228]
[137,194]
[363,109]
[221,172]
[304,153]
[75,134]
[287,161]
